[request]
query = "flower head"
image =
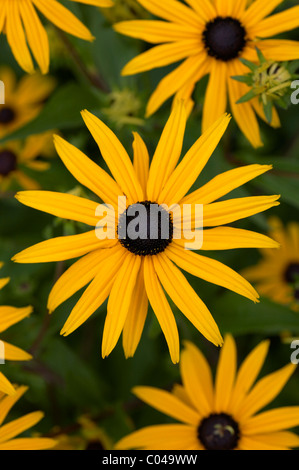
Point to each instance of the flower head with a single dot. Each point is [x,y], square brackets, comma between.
[23,99]
[24,30]
[10,431]
[16,156]
[138,258]
[277,274]
[223,415]
[210,37]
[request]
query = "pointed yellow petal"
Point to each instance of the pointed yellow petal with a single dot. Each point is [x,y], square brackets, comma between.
[278,419]
[87,172]
[197,378]
[224,183]
[12,429]
[11,315]
[115,156]
[225,375]
[62,248]
[194,161]
[156,31]
[12,353]
[211,271]
[216,95]
[279,23]
[8,402]
[161,309]
[136,317]
[186,299]
[280,49]
[28,443]
[36,35]
[66,206]
[63,18]
[119,302]
[160,437]
[167,403]
[141,160]
[228,238]
[172,10]
[168,151]
[258,10]
[5,385]
[97,292]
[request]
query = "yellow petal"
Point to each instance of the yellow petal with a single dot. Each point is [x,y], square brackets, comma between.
[161,309]
[11,315]
[29,443]
[115,156]
[186,173]
[186,299]
[136,317]
[12,353]
[12,429]
[156,31]
[225,375]
[279,23]
[119,302]
[211,271]
[141,160]
[63,18]
[197,378]
[278,419]
[167,403]
[168,151]
[8,402]
[216,94]
[5,386]
[172,10]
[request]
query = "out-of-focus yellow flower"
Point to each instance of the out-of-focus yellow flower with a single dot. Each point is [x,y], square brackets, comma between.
[124,108]
[23,99]
[16,156]
[125,10]
[277,274]
[24,30]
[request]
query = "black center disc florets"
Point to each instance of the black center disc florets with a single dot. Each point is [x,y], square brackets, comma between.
[8,162]
[224,38]
[7,115]
[219,432]
[292,273]
[145,228]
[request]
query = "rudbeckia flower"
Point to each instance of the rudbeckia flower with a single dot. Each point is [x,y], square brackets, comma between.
[277,274]
[3,280]
[17,156]
[130,269]
[24,30]
[224,415]
[10,431]
[209,37]
[23,99]
[10,316]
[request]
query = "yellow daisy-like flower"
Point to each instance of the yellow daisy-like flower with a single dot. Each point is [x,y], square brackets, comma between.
[132,270]
[210,36]
[24,30]
[89,437]
[10,316]
[9,431]
[277,274]
[23,99]
[3,280]
[221,415]
[17,156]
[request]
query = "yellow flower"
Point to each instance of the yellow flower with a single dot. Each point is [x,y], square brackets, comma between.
[3,280]
[210,37]
[277,274]
[89,436]
[9,431]
[14,156]
[23,99]
[130,269]
[10,316]
[221,415]
[24,30]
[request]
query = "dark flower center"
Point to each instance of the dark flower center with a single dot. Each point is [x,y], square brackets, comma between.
[145,228]
[292,273]
[94,445]
[224,38]
[8,162]
[219,432]
[7,115]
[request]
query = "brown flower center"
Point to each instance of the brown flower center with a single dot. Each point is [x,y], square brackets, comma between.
[224,38]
